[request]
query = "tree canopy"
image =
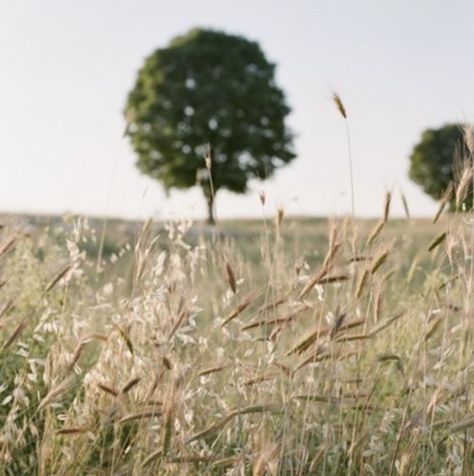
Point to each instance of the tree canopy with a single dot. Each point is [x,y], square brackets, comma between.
[208,87]
[436,162]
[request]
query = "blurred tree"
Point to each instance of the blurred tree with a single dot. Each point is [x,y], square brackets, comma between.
[438,160]
[208,87]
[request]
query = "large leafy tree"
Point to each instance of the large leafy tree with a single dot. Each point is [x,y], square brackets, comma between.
[437,160]
[208,90]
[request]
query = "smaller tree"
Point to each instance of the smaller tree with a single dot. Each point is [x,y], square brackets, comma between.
[438,160]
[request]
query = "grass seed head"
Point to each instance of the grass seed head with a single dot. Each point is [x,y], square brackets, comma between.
[339,105]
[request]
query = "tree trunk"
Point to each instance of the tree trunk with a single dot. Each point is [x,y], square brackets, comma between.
[210,210]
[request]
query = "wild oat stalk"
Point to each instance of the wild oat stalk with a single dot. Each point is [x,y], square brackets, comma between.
[342,111]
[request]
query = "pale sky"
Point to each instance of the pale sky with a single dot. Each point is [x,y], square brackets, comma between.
[66,66]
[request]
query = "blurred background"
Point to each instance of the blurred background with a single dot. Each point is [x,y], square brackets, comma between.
[66,69]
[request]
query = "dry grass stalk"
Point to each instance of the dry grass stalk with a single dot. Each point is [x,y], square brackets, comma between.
[8,306]
[317,459]
[226,462]
[55,392]
[342,110]
[449,281]
[276,332]
[352,402]
[384,325]
[257,408]
[152,457]
[8,245]
[333,279]
[312,282]
[464,183]
[77,353]
[337,325]
[388,357]
[386,207]
[108,389]
[190,459]
[361,283]
[320,398]
[339,105]
[279,217]
[437,241]
[71,431]
[435,401]
[376,231]
[143,234]
[278,320]
[257,380]
[58,277]
[179,320]
[270,322]
[16,333]
[445,198]
[231,277]
[212,370]
[142,253]
[260,408]
[100,337]
[405,205]
[152,403]
[130,384]
[241,307]
[169,409]
[213,428]
[468,133]
[334,246]
[273,305]
[313,336]
[347,325]
[319,356]
[306,341]
[353,337]
[140,416]
[207,156]
[154,385]
[379,260]
[124,335]
[327,265]
[433,328]
[167,363]
[360,258]
[377,304]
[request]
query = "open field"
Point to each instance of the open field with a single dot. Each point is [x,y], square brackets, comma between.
[286,347]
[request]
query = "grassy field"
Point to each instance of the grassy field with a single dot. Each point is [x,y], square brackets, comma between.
[285,347]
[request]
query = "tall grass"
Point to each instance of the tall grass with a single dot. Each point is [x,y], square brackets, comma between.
[180,355]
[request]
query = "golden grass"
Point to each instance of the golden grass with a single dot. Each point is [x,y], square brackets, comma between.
[175,360]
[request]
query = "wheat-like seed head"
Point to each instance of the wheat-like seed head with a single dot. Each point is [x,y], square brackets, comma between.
[339,105]
[468,132]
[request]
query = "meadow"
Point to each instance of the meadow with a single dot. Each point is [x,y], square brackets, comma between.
[286,346]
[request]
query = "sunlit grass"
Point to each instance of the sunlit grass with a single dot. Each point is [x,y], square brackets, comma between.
[304,347]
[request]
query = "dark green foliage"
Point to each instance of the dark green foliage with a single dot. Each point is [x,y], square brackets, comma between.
[437,159]
[208,87]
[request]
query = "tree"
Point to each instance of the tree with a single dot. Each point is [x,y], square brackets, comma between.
[208,90]
[437,160]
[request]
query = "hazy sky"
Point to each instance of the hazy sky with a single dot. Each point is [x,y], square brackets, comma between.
[66,67]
